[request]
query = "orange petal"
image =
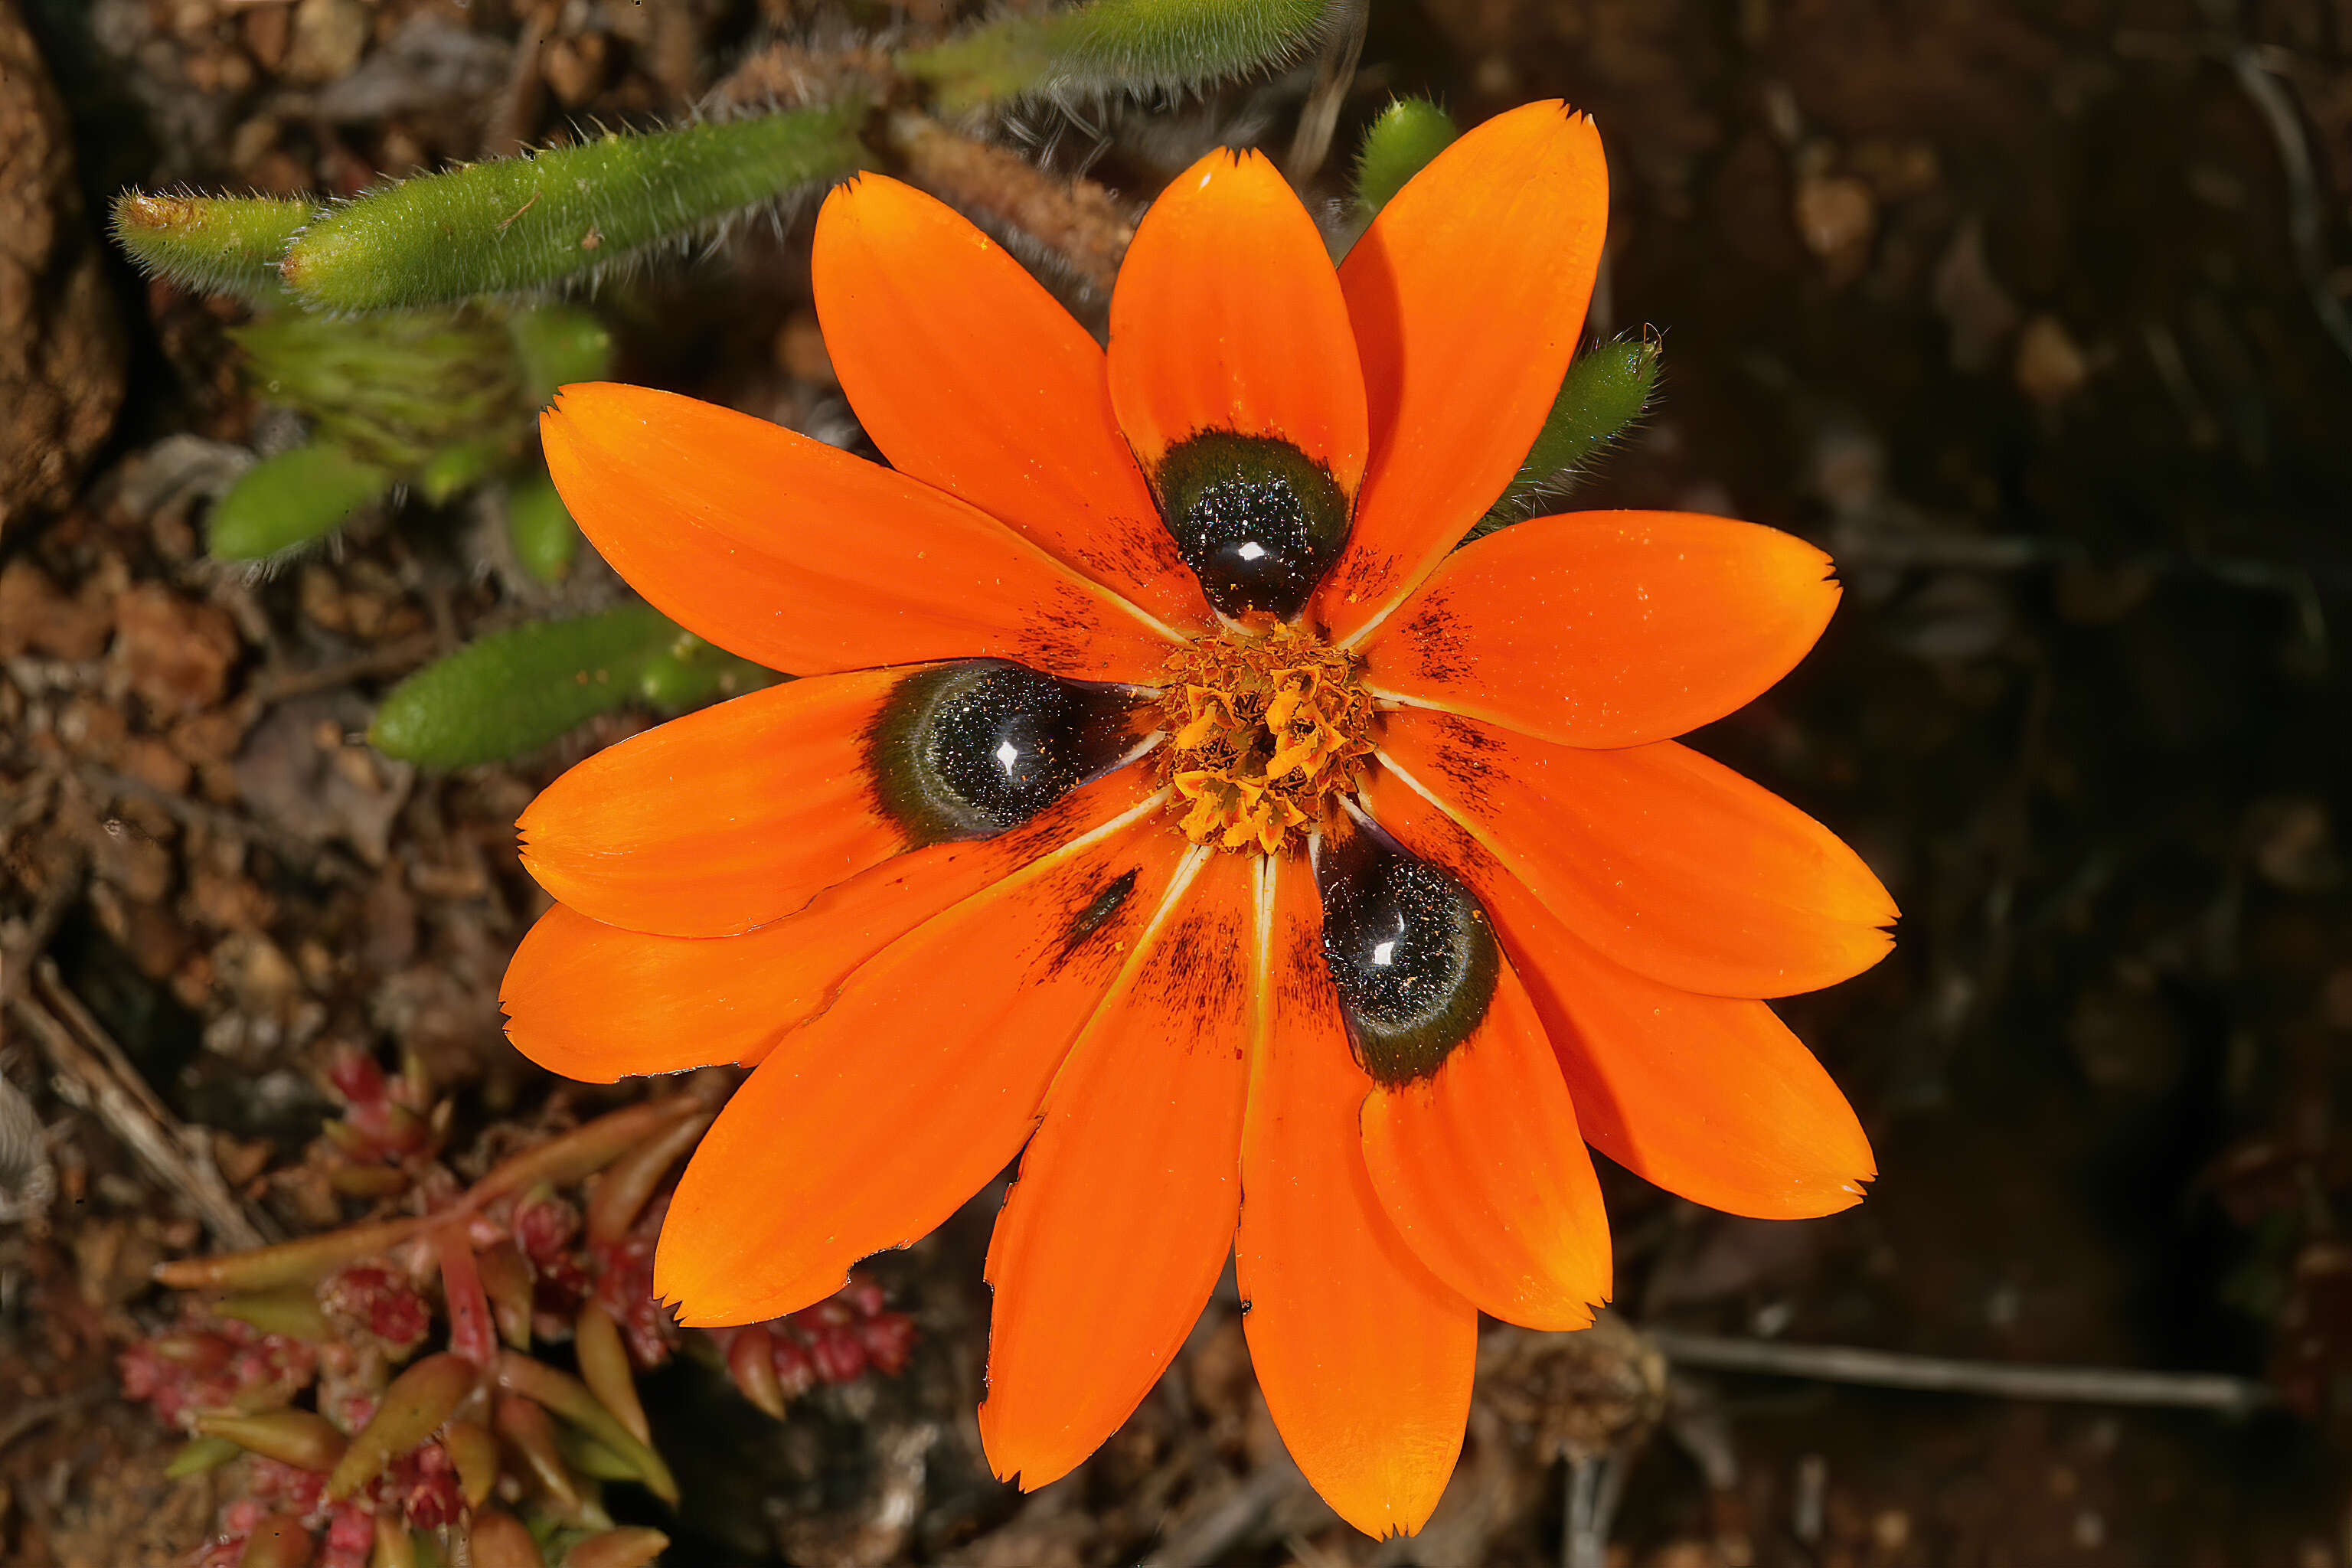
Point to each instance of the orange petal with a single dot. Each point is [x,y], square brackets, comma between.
[1606,629]
[1364,1355]
[969,376]
[1115,1233]
[1708,1096]
[1467,294]
[723,820]
[869,1125]
[1482,1169]
[597,1003]
[1227,316]
[805,559]
[1668,863]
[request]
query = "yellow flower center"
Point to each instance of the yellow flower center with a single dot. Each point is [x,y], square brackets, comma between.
[1265,732]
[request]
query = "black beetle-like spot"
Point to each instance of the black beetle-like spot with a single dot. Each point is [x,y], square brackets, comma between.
[1256,519]
[1410,954]
[968,750]
[1098,911]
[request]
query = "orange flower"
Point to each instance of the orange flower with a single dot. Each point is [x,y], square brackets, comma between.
[1166,797]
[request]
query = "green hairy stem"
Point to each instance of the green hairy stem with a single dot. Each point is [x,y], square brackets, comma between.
[534,221]
[1139,46]
[213,245]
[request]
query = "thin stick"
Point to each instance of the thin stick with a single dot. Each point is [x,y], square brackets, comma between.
[84,1055]
[318,859]
[391,659]
[34,1414]
[1335,72]
[17,964]
[1208,1538]
[59,999]
[2000,1379]
[2303,223]
[1595,1481]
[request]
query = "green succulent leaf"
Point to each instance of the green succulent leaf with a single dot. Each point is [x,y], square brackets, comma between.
[1604,391]
[537,220]
[513,691]
[541,528]
[1111,45]
[198,1454]
[556,345]
[690,673]
[1401,143]
[292,498]
[455,470]
[213,245]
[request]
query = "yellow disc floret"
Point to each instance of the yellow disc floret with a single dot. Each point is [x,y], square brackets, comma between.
[1264,733]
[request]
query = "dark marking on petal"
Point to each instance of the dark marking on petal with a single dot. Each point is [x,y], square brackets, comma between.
[1099,909]
[968,750]
[1302,977]
[1434,635]
[1065,630]
[1365,577]
[1464,758]
[1134,550]
[1410,951]
[1257,520]
[1197,963]
[1439,839]
[1181,950]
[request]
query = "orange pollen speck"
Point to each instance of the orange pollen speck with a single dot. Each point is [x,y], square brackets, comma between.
[1265,732]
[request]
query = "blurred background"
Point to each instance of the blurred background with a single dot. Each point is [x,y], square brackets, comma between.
[2032,312]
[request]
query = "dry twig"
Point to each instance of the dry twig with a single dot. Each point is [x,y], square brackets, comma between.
[1595,1483]
[56,898]
[33,1413]
[86,1056]
[1335,73]
[319,860]
[2302,212]
[275,685]
[1210,1538]
[1939,1375]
